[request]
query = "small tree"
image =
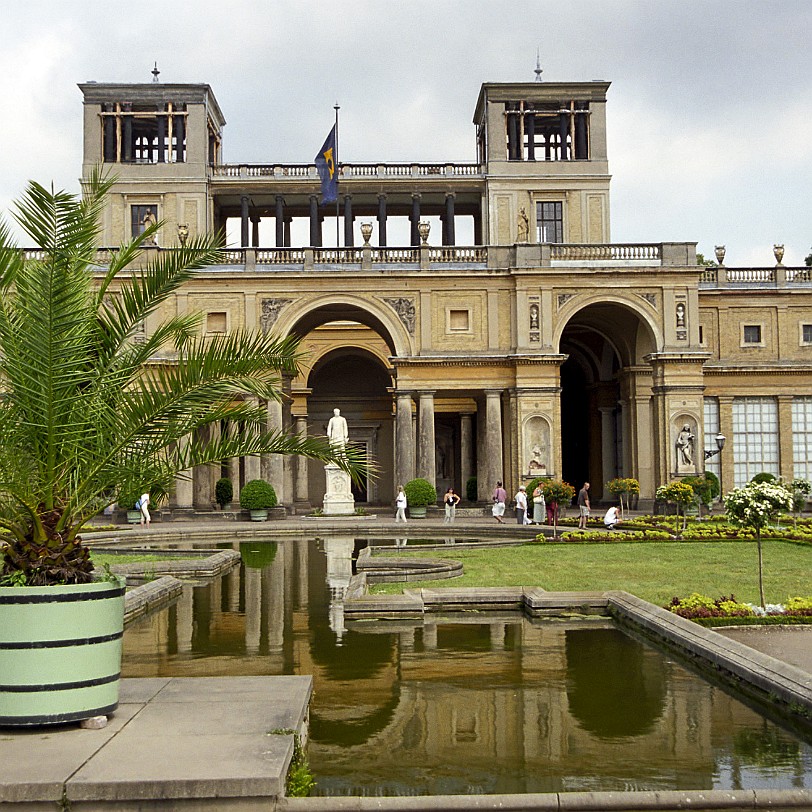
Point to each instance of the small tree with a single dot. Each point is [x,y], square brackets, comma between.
[470,489]
[223,492]
[621,487]
[755,506]
[680,494]
[420,492]
[258,495]
[556,493]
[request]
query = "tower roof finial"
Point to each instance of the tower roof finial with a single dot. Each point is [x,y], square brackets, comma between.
[538,71]
[155,73]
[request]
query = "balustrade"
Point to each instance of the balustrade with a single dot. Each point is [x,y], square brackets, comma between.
[347,170]
[605,251]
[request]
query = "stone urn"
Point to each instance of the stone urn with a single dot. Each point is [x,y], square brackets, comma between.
[366,233]
[719,250]
[778,252]
[423,229]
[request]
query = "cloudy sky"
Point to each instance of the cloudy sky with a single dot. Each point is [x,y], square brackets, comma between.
[709,112]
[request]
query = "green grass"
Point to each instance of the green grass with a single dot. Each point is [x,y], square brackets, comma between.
[100,559]
[655,571]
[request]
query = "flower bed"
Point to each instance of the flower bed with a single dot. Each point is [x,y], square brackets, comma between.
[727,611]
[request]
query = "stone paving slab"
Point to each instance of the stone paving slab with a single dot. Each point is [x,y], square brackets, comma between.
[171,741]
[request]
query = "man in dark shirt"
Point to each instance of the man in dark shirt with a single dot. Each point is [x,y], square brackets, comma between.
[583,506]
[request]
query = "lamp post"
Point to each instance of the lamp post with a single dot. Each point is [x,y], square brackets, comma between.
[712,452]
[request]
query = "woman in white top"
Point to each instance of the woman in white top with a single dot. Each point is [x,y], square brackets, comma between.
[143,506]
[400,503]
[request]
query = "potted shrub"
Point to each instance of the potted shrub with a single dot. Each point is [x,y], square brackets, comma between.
[420,493]
[81,428]
[258,497]
[224,493]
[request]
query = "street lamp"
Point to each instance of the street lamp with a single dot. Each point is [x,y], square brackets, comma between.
[712,452]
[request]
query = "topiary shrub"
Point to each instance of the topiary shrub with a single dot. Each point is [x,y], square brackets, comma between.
[764,476]
[223,492]
[471,489]
[257,495]
[420,493]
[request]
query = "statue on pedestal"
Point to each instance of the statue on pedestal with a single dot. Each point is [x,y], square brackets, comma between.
[338,498]
[337,431]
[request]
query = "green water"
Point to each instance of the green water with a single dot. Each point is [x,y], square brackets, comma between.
[477,703]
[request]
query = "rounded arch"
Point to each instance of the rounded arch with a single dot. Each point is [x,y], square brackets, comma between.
[305,314]
[323,355]
[596,312]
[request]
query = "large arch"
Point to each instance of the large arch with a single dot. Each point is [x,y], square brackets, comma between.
[605,391]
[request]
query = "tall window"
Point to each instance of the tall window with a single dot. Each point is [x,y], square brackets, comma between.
[755,438]
[550,221]
[802,438]
[714,463]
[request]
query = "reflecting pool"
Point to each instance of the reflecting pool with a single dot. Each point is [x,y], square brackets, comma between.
[469,703]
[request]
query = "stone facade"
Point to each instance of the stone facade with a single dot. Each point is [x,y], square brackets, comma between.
[541,350]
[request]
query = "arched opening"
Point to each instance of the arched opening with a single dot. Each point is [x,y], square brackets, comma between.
[601,406]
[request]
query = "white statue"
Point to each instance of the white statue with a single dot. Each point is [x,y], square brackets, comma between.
[685,447]
[337,431]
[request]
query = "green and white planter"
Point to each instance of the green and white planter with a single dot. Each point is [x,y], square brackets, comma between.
[60,652]
[417,511]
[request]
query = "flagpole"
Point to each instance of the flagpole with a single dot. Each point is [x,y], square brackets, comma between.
[336,108]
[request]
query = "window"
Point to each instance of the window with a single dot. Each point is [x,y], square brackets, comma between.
[701,335]
[806,334]
[751,334]
[711,428]
[802,438]
[550,221]
[216,323]
[755,438]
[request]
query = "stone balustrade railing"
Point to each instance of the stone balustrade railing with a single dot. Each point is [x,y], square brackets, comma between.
[607,251]
[380,170]
[720,276]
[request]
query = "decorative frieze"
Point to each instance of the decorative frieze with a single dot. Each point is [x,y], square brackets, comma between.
[271,308]
[404,307]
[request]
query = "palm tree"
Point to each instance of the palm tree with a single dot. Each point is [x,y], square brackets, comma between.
[88,413]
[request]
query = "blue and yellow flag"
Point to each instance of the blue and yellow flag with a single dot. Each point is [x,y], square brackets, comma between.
[327,169]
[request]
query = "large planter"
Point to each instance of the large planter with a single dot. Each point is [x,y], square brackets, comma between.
[258,515]
[60,652]
[133,516]
[417,512]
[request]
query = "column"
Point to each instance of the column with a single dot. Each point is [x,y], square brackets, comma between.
[215,468]
[315,222]
[234,476]
[530,129]
[785,455]
[493,438]
[244,221]
[179,125]
[608,468]
[348,222]
[184,494]
[404,453]
[727,458]
[127,137]
[161,122]
[272,464]
[202,480]
[414,218]
[279,221]
[109,148]
[449,236]
[425,440]
[300,493]
[466,452]
[251,463]
[382,220]
[255,231]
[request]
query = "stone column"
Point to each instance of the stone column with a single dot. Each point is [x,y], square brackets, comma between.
[607,447]
[234,476]
[161,122]
[785,455]
[315,222]
[251,467]
[179,125]
[255,231]
[404,454]
[414,218]
[272,464]
[425,441]
[382,220]
[127,135]
[279,221]
[466,452]
[449,233]
[348,222]
[493,439]
[184,492]
[244,221]
[300,493]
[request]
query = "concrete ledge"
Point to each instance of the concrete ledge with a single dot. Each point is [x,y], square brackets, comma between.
[149,596]
[655,801]
[201,565]
[379,569]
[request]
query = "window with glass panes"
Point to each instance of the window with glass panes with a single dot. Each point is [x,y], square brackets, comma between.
[755,438]
[711,427]
[802,438]
[550,221]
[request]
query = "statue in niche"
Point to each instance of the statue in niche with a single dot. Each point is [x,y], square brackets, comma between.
[534,317]
[522,226]
[337,431]
[148,221]
[680,315]
[685,448]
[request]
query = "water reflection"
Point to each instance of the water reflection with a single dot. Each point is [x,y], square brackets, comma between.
[483,704]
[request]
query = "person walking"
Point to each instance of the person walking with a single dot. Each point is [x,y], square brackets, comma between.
[450,500]
[539,506]
[400,504]
[583,506]
[499,499]
[521,505]
[143,506]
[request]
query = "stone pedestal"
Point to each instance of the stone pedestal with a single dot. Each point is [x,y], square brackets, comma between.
[338,498]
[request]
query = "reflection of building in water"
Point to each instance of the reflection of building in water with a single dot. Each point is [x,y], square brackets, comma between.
[338,550]
[561,705]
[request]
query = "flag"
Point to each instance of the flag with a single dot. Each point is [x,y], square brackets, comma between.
[326,166]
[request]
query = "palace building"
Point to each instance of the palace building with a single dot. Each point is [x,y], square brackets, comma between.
[538,348]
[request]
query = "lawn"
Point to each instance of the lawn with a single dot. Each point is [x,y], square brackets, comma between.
[656,571]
